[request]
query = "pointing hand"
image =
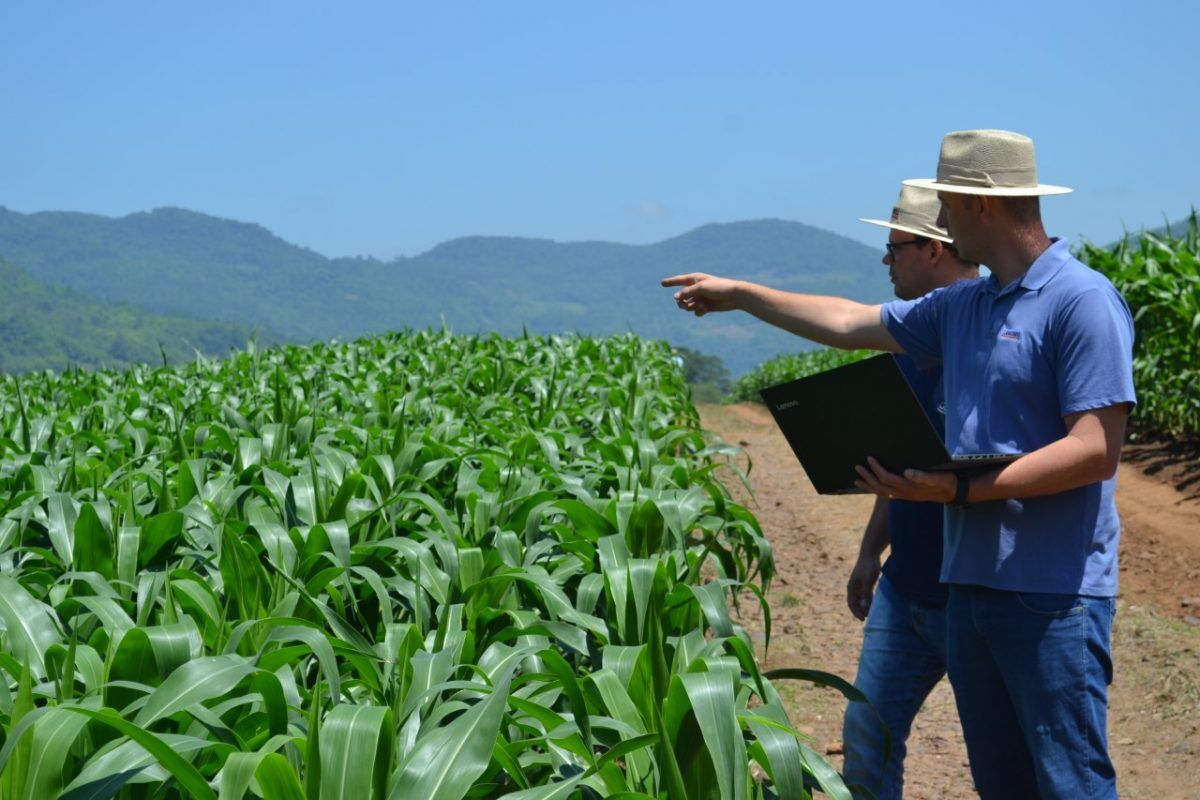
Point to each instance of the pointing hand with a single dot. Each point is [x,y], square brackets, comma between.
[703,293]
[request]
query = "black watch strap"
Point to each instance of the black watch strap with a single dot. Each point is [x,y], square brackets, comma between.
[962,487]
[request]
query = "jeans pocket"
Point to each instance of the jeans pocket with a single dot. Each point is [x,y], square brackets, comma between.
[1053,606]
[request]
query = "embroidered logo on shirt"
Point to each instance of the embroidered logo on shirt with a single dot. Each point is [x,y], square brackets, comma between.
[1011,335]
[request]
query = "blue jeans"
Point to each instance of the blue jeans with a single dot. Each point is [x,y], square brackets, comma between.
[1030,674]
[903,658]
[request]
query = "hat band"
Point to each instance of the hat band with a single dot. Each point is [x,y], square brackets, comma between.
[965,176]
[917,222]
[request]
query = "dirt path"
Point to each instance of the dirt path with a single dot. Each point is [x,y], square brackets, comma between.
[1154,724]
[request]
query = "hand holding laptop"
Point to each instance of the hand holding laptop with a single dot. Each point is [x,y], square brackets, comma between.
[913,484]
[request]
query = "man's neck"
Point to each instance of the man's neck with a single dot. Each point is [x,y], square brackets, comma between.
[1015,255]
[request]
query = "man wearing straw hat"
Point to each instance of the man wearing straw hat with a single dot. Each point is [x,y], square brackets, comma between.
[1037,359]
[904,639]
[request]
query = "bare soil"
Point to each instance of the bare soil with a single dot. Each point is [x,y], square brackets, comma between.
[1154,702]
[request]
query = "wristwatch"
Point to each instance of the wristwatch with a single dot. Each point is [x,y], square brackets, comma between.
[962,487]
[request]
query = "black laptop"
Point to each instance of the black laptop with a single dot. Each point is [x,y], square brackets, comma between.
[835,419]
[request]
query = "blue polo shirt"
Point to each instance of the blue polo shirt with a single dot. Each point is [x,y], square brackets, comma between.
[1016,360]
[915,529]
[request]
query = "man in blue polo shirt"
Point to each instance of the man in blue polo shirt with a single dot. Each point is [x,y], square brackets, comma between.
[904,639]
[1037,359]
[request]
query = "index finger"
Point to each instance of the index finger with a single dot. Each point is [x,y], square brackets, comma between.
[684,280]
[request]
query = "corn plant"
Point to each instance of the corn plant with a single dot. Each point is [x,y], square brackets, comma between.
[1159,274]
[415,566]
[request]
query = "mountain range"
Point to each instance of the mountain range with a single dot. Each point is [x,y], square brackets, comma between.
[182,263]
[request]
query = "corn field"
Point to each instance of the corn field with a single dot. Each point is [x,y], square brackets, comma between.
[417,566]
[1159,274]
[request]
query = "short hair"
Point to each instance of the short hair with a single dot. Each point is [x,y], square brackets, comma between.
[1023,209]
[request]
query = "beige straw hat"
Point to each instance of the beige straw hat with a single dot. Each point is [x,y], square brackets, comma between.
[915,212]
[987,162]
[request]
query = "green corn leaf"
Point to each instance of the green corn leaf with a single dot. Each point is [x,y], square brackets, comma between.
[173,645]
[312,747]
[349,488]
[782,751]
[128,544]
[276,780]
[61,518]
[191,780]
[820,678]
[710,696]
[194,682]
[554,791]
[128,758]
[159,536]
[620,705]
[570,686]
[102,788]
[52,738]
[133,662]
[29,623]
[586,521]
[445,763]
[356,746]
[12,782]
[317,642]
[711,597]
[825,775]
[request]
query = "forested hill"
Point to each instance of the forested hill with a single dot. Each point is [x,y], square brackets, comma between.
[53,327]
[181,262]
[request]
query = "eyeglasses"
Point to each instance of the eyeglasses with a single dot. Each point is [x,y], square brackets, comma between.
[892,247]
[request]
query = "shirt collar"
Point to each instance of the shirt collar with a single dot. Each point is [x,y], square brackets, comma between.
[1044,267]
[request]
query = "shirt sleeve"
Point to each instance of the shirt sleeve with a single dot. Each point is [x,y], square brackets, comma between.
[916,325]
[1094,350]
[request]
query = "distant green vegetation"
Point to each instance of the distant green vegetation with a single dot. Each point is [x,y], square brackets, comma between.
[706,374]
[790,367]
[51,327]
[1159,274]
[173,261]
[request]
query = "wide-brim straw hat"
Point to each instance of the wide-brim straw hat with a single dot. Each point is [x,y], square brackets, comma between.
[916,212]
[999,163]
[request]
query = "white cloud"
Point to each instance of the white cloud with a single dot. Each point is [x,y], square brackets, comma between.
[652,209]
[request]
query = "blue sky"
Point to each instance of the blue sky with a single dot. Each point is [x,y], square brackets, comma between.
[385,128]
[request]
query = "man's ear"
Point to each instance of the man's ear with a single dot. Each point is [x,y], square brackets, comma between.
[984,205]
[937,248]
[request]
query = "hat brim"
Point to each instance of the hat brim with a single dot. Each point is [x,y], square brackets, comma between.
[907,229]
[1040,190]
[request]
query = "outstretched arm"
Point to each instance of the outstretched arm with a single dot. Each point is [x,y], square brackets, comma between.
[832,321]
